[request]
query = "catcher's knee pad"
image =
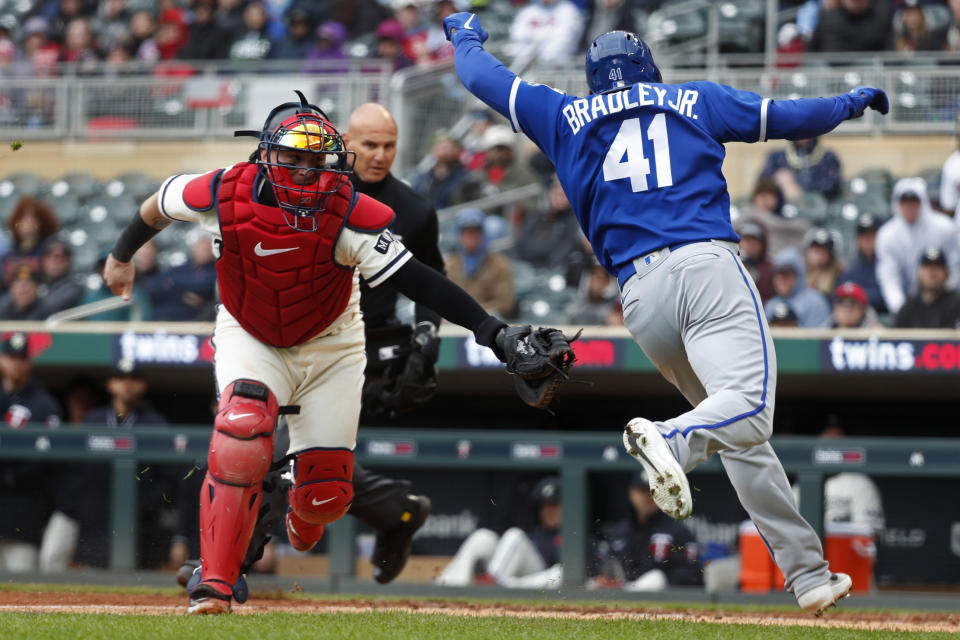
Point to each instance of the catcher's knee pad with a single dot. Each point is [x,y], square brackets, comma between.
[323,485]
[241,448]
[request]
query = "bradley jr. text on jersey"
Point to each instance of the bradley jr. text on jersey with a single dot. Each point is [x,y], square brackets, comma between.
[584,110]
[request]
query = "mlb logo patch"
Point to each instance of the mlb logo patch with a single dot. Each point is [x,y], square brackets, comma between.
[650,258]
[383,243]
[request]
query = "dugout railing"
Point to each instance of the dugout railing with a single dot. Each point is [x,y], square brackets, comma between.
[575,456]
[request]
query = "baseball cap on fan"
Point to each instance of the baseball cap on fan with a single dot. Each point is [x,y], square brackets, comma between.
[126,368]
[547,491]
[498,135]
[16,345]
[752,230]
[866,223]
[35,25]
[850,291]
[933,255]
[820,238]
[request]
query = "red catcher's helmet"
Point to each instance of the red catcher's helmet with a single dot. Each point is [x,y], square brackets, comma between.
[303,193]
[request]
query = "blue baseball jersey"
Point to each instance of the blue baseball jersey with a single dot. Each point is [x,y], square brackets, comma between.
[641,165]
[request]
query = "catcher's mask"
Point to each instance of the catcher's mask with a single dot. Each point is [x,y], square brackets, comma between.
[304,160]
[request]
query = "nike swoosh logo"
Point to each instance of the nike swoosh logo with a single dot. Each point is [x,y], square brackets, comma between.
[315,503]
[235,416]
[466,25]
[260,251]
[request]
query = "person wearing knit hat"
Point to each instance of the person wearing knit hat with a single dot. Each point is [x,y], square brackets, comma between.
[647,551]
[863,269]
[935,306]
[22,302]
[484,274]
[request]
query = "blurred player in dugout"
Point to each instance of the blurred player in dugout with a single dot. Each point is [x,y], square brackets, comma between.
[293,238]
[28,494]
[400,373]
[526,559]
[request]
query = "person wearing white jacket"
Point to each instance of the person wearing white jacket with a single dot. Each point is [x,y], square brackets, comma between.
[950,180]
[546,32]
[915,225]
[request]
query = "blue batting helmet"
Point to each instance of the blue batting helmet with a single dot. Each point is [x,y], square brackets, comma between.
[619,59]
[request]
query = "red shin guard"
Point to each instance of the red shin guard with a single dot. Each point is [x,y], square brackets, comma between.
[241,450]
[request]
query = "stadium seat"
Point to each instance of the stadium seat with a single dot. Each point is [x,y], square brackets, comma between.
[66,206]
[931,175]
[876,180]
[542,309]
[741,25]
[664,26]
[23,183]
[811,206]
[80,184]
[844,233]
[173,239]
[96,221]
[135,184]
[524,278]
[104,209]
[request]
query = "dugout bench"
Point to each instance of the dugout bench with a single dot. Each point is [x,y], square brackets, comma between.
[572,455]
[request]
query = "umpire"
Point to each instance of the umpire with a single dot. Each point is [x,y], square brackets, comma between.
[382,502]
[372,135]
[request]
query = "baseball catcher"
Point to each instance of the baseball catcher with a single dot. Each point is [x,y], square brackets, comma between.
[293,240]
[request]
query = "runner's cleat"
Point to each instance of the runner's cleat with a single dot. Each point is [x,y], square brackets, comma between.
[821,598]
[668,483]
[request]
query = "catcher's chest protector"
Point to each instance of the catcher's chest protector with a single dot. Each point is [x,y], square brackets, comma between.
[281,285]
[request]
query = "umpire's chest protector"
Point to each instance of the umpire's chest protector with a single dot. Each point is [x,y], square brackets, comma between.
[281,285]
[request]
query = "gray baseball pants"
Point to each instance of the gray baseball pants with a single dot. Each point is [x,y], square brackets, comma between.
[697,315]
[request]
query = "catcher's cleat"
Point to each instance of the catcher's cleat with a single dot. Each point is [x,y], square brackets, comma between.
[668,483]
[392,547]
[307,536]
[191,574]
[821,598]
[206,599]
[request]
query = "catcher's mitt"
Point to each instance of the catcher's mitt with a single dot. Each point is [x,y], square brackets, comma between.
[540,361]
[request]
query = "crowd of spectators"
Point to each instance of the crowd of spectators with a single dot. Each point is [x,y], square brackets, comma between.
[41,33]
[39,280]
[906,249]
[523,256]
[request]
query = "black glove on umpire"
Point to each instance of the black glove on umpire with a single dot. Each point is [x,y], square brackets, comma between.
[426,341]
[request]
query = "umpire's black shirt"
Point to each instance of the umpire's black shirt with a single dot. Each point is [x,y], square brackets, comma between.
[415,226]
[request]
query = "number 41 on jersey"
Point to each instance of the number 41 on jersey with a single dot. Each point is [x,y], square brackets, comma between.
[629,143]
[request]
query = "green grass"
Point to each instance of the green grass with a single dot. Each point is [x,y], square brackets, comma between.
[395,625]
[400,625]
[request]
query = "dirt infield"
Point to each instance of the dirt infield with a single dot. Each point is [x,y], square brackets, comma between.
[162,604]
